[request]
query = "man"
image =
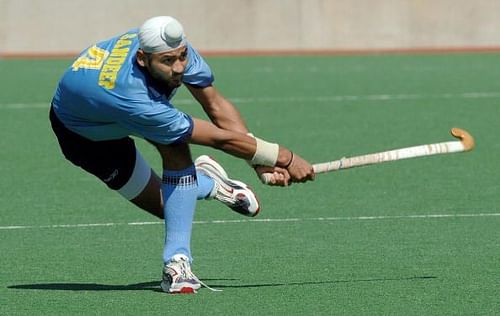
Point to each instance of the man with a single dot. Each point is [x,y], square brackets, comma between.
[122,87]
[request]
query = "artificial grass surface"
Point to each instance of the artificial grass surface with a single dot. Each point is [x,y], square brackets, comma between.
[327,252]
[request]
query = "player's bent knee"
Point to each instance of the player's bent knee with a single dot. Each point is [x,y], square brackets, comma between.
[175,156]
[138,180]
[150,198]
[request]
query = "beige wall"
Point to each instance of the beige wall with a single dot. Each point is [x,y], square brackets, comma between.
[62,26]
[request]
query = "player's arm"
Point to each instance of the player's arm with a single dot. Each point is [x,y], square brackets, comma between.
[226,116]
[220,110]
[258,151]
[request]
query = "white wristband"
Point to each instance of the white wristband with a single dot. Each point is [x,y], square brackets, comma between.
[248,161]
[266,153]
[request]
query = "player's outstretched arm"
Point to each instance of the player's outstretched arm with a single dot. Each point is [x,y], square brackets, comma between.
[226,116]
[249,148]
[220,110]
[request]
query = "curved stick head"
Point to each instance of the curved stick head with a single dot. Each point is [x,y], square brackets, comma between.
[464,136]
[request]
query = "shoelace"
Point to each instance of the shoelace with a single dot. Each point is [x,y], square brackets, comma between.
[187,273]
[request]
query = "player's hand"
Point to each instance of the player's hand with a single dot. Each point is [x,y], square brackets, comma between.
[300,170]
[276,176]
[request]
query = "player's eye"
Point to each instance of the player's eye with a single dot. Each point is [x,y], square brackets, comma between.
[168,60]
[183,56]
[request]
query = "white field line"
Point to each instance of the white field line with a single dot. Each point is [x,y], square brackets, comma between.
[372,97]
[317,99]
[265,220]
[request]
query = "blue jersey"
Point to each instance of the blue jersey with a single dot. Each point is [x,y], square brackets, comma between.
[106,95]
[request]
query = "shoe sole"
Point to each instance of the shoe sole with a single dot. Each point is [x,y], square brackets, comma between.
[182,290]
[243,185]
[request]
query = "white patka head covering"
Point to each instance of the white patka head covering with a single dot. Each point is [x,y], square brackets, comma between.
[161,34]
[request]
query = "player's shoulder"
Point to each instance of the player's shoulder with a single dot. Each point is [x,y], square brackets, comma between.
[194,57]
[198,72]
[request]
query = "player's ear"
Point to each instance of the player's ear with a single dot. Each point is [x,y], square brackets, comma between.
[141,57]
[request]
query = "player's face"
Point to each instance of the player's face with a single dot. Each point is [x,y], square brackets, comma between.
[168,67]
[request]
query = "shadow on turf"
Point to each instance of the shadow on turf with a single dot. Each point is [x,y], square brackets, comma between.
[154,285]
[321,282]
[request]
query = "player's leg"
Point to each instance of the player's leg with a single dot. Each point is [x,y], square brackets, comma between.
[121,167]
[213,183]
[116,162]
[144,186]
[150,199]
[179,192]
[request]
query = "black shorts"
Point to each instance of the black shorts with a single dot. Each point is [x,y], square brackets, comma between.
[112,161]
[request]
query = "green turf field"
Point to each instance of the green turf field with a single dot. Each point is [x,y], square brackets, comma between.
[414,237]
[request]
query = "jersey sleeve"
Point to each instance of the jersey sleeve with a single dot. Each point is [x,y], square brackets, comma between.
[198,72]
[158,121]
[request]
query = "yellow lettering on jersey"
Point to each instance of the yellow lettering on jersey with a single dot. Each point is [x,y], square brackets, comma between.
[120,52]
[107,84]
[128,36]
[110,68]
[115,60]
[107,80]
[123,43]
[113,64]
[92,59]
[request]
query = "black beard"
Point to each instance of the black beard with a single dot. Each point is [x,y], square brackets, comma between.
[174,85]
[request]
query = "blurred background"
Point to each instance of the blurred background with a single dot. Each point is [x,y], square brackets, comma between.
[60,27]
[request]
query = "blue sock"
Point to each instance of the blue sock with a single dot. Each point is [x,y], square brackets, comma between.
[205,185]
[179,191]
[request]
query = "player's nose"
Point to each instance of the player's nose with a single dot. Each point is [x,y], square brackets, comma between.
[178,67]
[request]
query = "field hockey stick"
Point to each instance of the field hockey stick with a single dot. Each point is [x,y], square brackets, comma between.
[465,143]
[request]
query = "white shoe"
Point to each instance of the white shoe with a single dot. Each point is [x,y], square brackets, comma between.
[178,277]
[235,194]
